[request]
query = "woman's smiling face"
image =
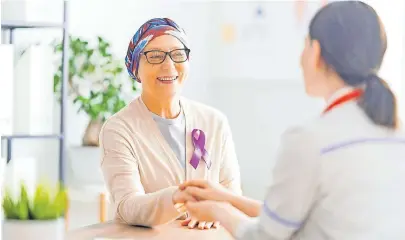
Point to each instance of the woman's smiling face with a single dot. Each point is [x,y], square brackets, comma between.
[166,79]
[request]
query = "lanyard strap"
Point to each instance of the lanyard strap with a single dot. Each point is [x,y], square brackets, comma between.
[353,95]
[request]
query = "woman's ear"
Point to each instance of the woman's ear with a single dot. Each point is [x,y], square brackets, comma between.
[137,76]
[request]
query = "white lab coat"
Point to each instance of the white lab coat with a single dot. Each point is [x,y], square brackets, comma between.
[339,177]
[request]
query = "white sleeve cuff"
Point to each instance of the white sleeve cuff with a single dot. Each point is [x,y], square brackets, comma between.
[244,226]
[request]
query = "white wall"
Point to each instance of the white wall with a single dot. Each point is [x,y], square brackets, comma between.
[392,69]
[255,81]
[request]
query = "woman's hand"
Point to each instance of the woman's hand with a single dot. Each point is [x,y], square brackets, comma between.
[207,210]
[180,197]
[203,190]
[191,222]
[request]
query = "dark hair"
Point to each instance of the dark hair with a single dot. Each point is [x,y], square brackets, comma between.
[353,43]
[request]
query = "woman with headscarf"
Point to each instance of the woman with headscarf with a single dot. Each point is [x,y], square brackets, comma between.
[341,176]
[161,139]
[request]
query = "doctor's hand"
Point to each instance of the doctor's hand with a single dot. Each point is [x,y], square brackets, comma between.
[191,222]
[203,190]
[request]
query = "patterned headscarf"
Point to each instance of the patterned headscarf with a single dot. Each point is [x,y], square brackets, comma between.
[147,32]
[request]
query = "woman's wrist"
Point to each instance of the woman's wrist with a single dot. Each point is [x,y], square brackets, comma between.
[174,199]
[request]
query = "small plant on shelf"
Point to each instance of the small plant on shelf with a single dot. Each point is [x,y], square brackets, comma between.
[96,83]
[45,204]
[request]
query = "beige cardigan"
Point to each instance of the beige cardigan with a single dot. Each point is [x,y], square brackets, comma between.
[141,171]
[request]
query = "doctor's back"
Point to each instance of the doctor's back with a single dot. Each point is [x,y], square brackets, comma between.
[342,176]
[360,181]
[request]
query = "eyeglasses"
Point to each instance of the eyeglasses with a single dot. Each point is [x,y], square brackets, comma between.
[157,56]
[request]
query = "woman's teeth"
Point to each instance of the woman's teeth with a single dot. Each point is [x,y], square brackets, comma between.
[167,78]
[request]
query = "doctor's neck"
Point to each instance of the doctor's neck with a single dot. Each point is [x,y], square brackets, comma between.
[165,107]
[333,85]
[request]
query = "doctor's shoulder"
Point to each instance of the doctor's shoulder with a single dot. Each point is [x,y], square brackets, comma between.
[307,136]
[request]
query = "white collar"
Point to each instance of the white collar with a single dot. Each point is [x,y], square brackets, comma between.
[337,94]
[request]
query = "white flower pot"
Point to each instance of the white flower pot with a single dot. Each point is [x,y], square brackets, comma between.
[33,229]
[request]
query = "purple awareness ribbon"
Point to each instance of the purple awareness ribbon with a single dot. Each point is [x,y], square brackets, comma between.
[198,138]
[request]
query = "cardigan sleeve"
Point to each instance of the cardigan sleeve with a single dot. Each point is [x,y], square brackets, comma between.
[120,170]
[293,191]
[229,174]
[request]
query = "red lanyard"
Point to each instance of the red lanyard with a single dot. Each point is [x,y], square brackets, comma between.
[345,98]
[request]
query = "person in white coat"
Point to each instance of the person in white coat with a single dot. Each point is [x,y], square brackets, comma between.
[341,176]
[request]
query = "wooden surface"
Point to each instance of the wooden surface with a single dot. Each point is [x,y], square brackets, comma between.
[174,230]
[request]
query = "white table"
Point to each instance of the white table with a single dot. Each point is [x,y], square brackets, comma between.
[168,231]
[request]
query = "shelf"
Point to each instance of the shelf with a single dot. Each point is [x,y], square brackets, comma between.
[11,25]
[22,136]
[9,139]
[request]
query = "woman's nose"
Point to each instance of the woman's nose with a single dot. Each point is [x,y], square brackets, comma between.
[168,63]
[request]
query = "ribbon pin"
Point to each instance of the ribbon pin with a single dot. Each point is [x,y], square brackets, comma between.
[198,138]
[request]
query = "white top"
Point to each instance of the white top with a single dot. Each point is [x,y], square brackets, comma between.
[338,177]
[174,132]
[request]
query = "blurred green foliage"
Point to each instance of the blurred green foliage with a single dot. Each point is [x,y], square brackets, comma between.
[99,71]
[45,204]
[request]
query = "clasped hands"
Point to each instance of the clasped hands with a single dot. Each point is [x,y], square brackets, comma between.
[203,201]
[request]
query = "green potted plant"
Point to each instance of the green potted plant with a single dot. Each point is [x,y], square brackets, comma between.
[95,84]
[36,216]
